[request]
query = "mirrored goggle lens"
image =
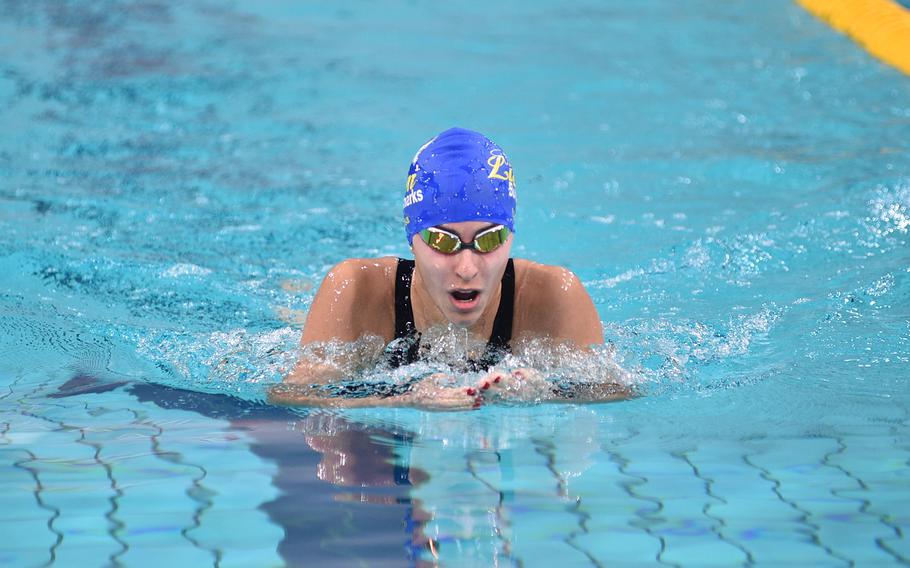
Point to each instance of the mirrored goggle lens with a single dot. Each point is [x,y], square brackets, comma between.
[443,242]
[492,240]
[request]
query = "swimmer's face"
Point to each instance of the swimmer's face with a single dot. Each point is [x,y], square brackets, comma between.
[462,284]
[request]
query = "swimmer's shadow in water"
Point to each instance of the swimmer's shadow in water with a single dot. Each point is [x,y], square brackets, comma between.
[84,384]
[219,406]
[299,458]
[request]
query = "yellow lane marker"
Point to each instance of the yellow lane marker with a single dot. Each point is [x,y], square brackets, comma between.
[882,27]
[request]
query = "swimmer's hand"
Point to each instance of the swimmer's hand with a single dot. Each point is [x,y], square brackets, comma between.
[529,385]
[431,394]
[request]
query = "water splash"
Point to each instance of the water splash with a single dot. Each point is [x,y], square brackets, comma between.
[889,210]
[654,356]
[238,362]
[676,355]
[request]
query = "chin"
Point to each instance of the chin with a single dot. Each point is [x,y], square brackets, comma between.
[463,320]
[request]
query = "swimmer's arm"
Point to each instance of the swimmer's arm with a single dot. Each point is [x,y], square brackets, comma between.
[529,385]
[290,394]
[425,394]
[596,391]
[311,371]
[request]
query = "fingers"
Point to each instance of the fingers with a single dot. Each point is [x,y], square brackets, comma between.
[493,378]
[476,396]
[490,380]
[485,384]
[494,386]
[489,384]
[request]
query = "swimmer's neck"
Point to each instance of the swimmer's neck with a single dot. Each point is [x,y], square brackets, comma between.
[427,314]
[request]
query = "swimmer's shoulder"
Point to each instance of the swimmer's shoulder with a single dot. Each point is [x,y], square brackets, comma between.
[542,280]
[372,279]
[552,301]
[358,293]
[367,270]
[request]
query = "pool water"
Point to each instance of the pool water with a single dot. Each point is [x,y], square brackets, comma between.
[731,183]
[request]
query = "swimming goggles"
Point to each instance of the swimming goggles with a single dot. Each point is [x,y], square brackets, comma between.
[450,243]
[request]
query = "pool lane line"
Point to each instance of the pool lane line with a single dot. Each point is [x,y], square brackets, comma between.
[881,27]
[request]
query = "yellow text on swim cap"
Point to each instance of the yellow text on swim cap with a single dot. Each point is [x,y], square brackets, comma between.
[497,161]
[411,197]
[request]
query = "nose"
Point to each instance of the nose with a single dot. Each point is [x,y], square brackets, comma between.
[466,265]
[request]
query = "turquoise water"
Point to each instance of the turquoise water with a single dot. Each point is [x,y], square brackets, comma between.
[732,184]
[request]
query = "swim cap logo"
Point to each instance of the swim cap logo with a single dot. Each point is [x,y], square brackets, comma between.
[412,197]
[496,162]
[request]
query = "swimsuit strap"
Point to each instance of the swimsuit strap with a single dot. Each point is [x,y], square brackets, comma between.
[502,325]
[404,349]
[404,313]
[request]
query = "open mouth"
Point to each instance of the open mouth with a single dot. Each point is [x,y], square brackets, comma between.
[465,300]
[465,295]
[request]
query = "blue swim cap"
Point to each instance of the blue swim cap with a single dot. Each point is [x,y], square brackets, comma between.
[460,175]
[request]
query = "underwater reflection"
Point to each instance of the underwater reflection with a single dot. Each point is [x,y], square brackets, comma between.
[345,485]
[402,486]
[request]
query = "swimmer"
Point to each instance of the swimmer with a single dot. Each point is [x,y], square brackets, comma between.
[459,209]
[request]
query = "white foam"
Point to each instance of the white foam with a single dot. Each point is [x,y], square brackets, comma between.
[185,269]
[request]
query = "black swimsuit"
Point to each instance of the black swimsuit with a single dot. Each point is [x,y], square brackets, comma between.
[405,349]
